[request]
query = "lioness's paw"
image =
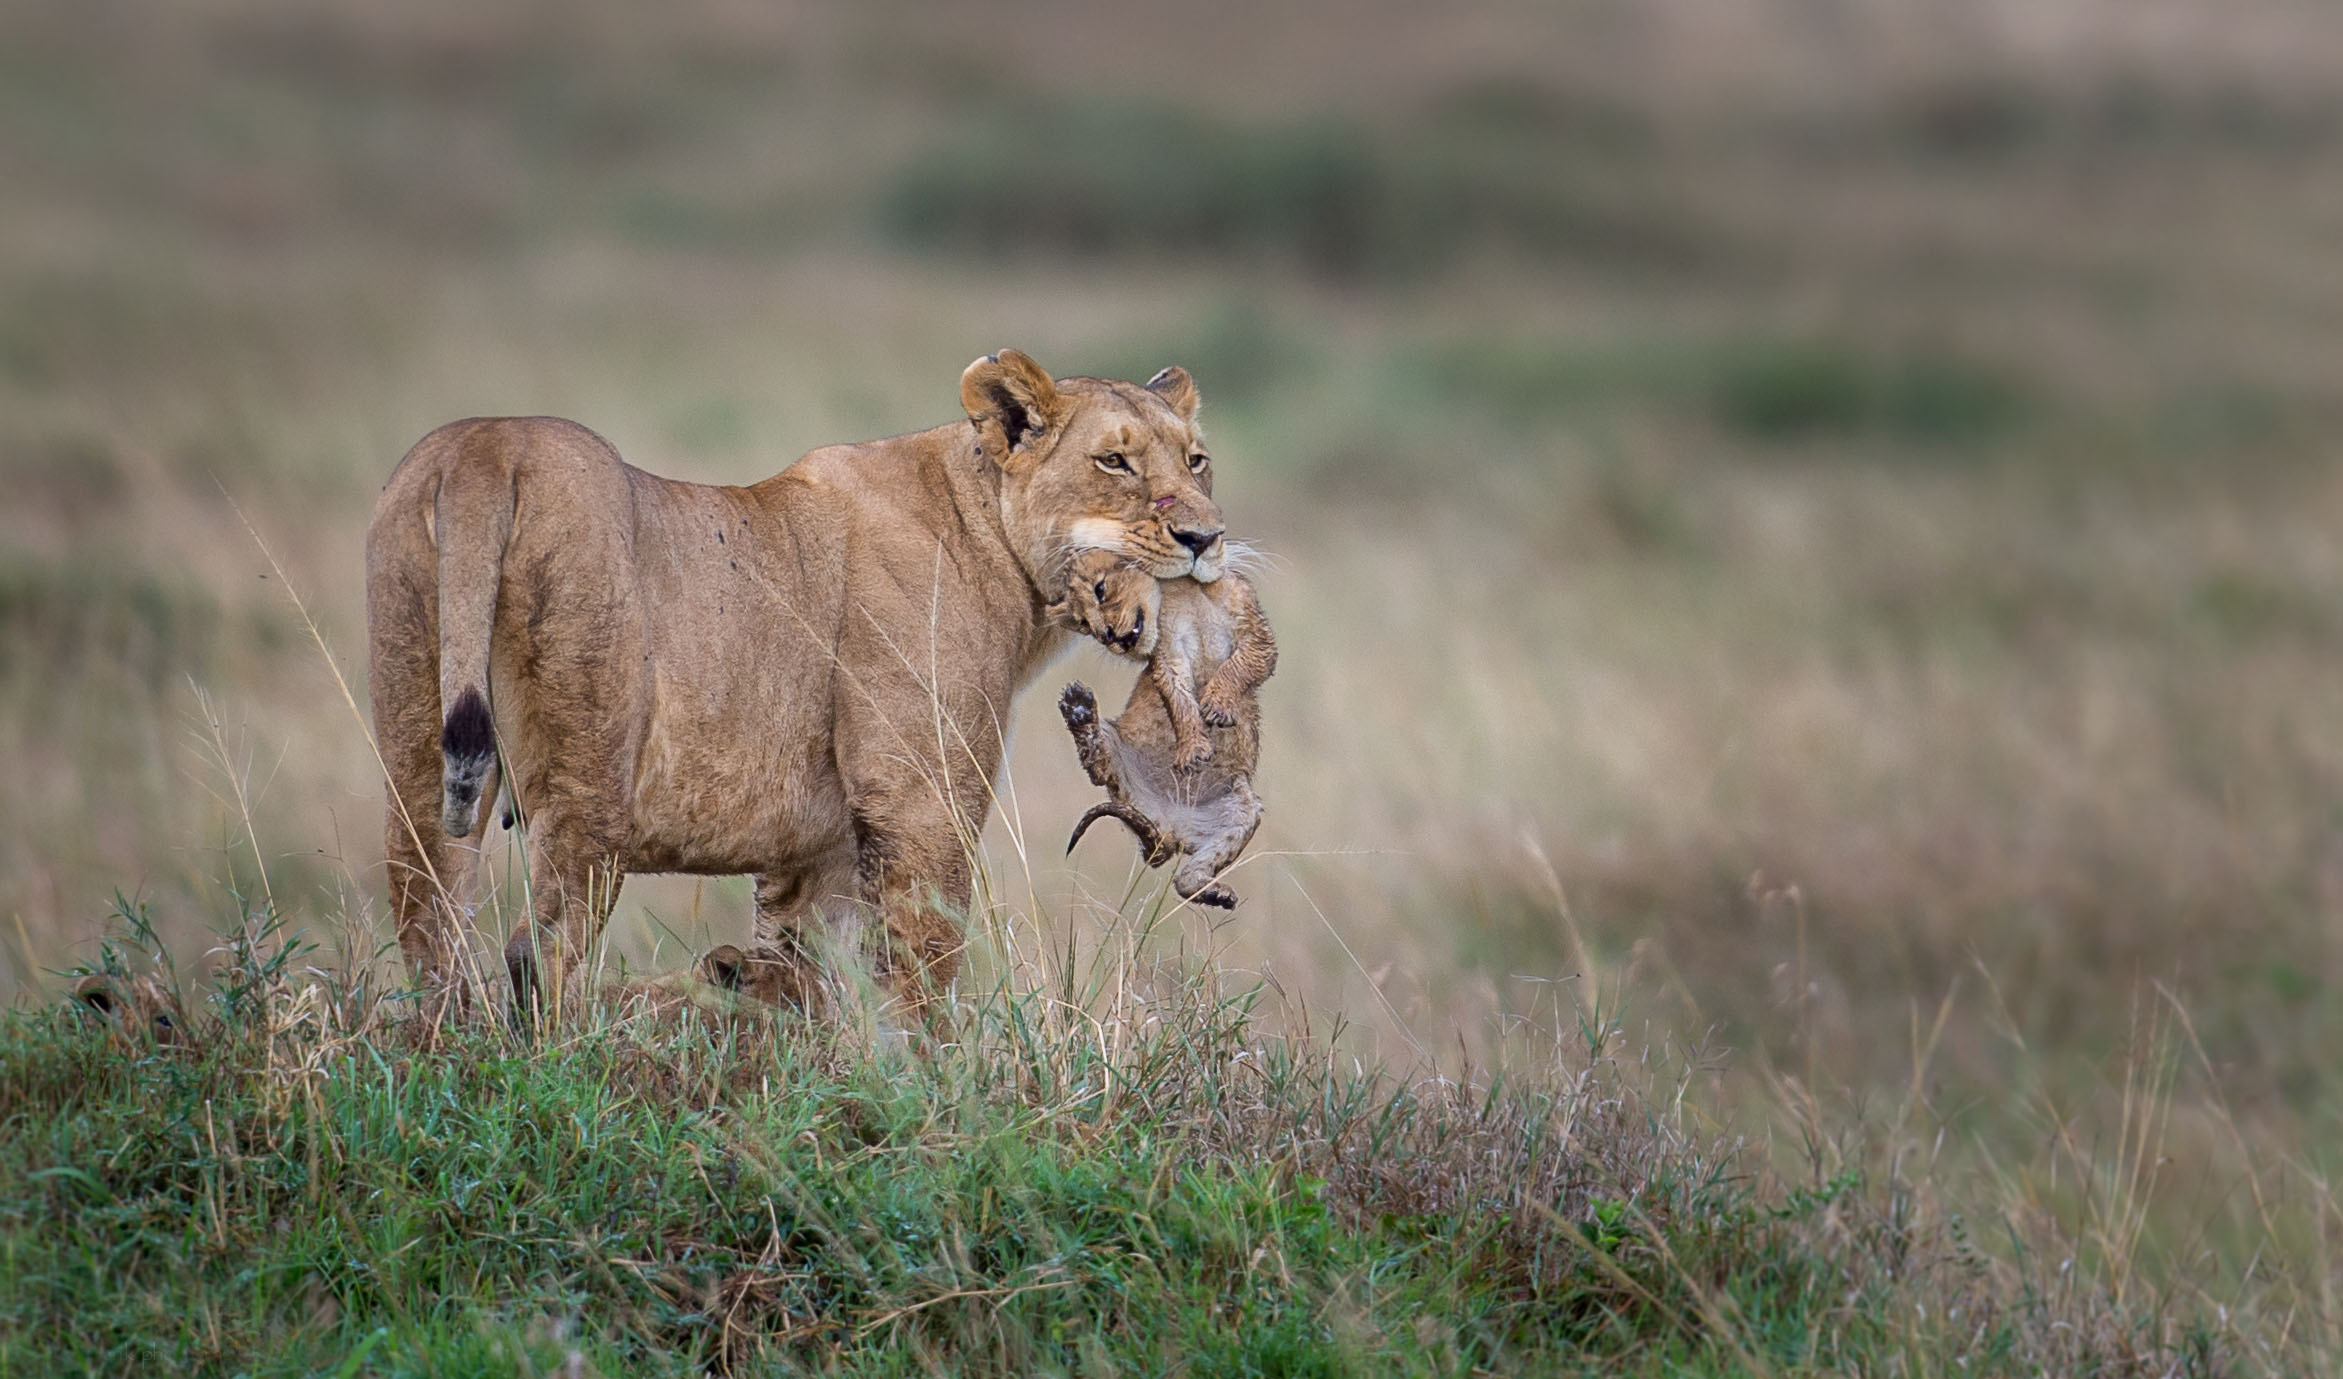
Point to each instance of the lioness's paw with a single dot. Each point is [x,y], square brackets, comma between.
[1217,896]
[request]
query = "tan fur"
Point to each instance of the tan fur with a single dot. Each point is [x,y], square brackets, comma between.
[806,679]
[668,997]
[138,1010]
[1178,764]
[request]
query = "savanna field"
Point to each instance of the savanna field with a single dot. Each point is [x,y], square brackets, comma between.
[1803,778]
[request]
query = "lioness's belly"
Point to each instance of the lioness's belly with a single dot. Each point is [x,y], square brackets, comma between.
[735,783]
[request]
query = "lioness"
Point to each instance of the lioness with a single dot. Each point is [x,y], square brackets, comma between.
[806,679]
[1178,764]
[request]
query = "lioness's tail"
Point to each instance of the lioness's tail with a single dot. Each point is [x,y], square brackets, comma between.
[473,519]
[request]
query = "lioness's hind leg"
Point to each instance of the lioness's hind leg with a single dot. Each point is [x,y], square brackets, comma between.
[429,876]
[570,695]
[573,883]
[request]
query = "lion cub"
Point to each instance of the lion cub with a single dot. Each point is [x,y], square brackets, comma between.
[1178,765]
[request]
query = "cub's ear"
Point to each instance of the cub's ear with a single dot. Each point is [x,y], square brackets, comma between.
[96,995]
[1175,387]
[1012,401]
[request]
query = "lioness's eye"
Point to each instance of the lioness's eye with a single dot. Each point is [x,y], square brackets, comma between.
[1196,463]
[1114,463]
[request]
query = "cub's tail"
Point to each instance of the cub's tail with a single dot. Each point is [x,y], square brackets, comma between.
[473,520]
[1150,837]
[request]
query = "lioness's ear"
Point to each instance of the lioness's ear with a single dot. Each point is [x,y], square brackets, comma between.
[1175,387]
[1010,398]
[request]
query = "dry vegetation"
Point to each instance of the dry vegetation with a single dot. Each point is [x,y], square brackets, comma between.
[1807,527]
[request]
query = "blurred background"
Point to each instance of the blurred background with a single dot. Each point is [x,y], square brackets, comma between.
[1812,521]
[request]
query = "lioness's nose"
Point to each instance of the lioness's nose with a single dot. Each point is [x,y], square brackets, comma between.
[1197,542]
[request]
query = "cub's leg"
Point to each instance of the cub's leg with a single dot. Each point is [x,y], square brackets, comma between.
[1174,678]
[1196,878]
[1252,659]
[1092,737]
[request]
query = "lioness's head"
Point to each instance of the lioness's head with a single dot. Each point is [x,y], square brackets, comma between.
[1112,600]
[1090,464]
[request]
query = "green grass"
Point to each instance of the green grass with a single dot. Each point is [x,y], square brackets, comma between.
[300,1178]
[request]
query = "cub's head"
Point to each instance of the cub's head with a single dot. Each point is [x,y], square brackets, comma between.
[138,1010]
[1112,600]
[1090,464]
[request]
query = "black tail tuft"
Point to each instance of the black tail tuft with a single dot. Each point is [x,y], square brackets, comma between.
[467,748]
[470,734]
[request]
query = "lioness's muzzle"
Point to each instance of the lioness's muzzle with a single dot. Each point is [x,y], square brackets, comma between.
[1197,542]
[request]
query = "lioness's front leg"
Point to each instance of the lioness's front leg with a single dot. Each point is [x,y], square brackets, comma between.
[913,869]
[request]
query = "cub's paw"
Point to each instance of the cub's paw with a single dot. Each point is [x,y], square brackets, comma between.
[1192,756]
[1079,706]
[1216,710]
[1216,895]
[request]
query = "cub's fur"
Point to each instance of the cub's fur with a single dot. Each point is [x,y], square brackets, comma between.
[138,1010]
[806,679]
[1178,765]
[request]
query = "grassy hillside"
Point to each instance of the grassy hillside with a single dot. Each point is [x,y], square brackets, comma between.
[1115,1171]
